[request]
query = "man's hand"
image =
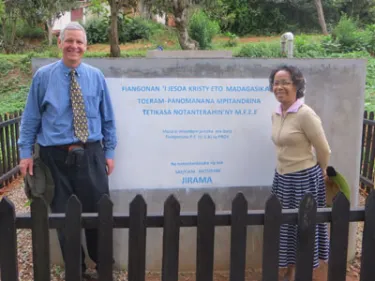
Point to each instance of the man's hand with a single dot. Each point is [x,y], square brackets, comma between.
[110,166]
[26,165]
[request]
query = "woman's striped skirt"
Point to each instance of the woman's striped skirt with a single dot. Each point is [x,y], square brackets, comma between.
[290,189]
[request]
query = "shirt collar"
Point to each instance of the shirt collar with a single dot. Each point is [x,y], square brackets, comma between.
[292,109]
[67,70]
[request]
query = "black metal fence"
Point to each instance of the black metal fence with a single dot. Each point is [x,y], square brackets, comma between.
[368,152]
[9,154]
[206,220]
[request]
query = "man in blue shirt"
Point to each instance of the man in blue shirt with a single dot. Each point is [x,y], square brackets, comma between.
[69,114]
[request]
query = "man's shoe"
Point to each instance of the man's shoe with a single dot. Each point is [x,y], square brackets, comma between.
[93,276]
[90,276]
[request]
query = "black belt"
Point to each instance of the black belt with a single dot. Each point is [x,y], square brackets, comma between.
[70,146]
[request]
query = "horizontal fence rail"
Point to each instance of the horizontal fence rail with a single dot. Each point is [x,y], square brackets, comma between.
[205,220]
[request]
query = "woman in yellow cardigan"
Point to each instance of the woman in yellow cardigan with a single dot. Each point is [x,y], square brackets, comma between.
[296,131]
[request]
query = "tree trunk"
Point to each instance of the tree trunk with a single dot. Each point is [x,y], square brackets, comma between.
[113,36]
[144,9]
[322,21]
[14,29]
[4,27]
[180,12]
[49,23]
[5,35]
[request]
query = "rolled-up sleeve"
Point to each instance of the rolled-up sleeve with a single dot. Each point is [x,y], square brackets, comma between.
[31,119]
[108,122]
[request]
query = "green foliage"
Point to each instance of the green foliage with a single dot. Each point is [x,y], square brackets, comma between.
[13,86]
[45,10]
[330,45]
[202,29]
[364,10]
[307,48]
[346,34]
[2,7]
[347,37]
[370,34]
[260,50]
[5,67]
[233,40]
[97,8]
[10,102]
[25,30]
[132,29]
[370,85]
[259,17]
[25,63]
[97,30]
[129,29]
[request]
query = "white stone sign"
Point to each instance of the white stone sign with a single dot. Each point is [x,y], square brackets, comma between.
[189,132]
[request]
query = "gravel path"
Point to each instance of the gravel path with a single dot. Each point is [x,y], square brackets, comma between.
[16,195]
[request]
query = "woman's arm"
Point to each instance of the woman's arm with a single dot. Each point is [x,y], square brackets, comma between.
[313,129]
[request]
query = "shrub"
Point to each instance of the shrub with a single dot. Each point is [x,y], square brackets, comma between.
[370,32]
[202,29]
[5,66]
[27,31]
[129,29]
[97,30]
[233,40]
[260,50]
[347,35]
[303,47]
[132,29]
[329,45]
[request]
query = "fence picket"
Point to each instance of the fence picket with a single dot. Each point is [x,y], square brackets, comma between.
[8,238]
[171,239]
[368,242]
[306,238]
[40,240]
[9,153]
[19,113]
[339,239]
[238,238]
[364,127]
[7,148]
[369,130]
[205,239]
[105,232]
[137,239]
[73,270]
[271,239]
[2,147]
[13,143]
[371,151]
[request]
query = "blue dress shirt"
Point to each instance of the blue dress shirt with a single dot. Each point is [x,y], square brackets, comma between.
[48,118]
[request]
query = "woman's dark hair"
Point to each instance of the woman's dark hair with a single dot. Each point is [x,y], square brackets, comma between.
[297,78]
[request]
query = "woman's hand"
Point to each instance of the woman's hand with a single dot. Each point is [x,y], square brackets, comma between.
[324,172]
